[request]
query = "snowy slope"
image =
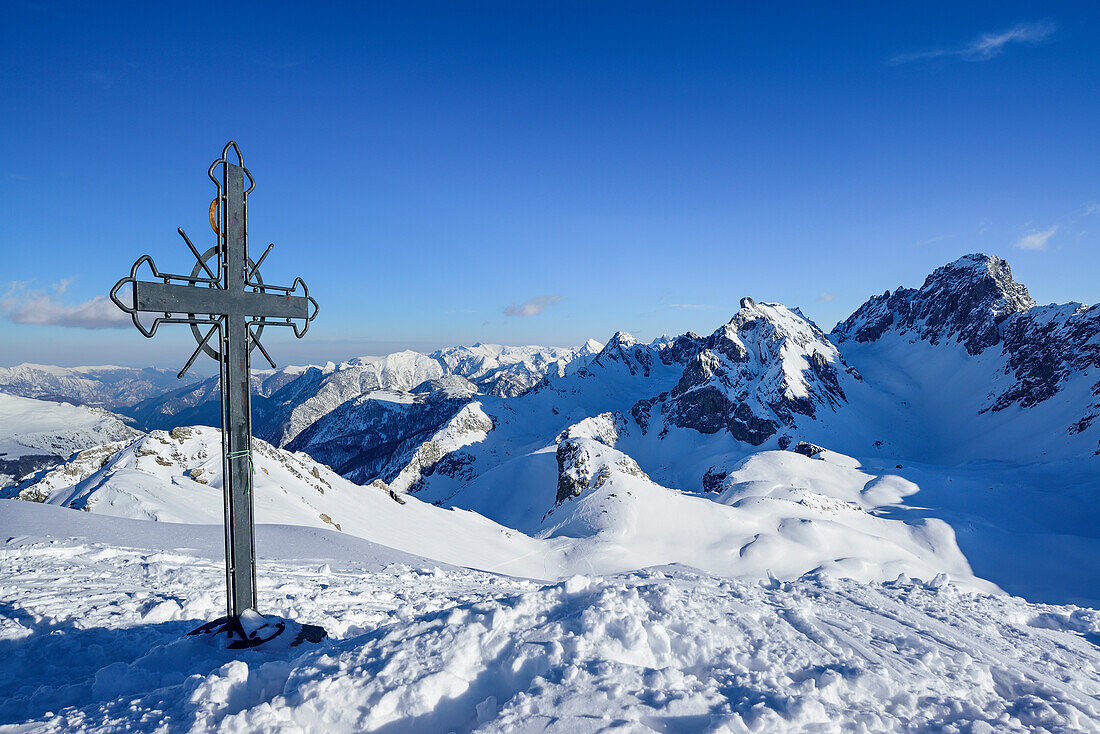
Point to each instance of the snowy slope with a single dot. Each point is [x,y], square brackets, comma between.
[973,369]
[362,416]
[37,433]
[176,477]
[758,374]
[617,520]
[92,634]
[669,567]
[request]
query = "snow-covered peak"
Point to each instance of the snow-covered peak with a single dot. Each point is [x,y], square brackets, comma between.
[755,374]
[624,350]
[591,347]
[964,301]
[620,340]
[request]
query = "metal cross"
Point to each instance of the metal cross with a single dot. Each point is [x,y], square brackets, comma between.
[226,293]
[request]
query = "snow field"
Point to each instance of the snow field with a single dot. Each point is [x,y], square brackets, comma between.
[91,640]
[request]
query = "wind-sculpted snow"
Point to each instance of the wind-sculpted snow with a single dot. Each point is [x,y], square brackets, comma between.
[615,518]
[92,636]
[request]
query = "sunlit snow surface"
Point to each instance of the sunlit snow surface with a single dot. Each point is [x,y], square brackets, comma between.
[94,610]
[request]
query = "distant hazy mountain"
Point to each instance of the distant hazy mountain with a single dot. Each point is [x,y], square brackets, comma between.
[105,386]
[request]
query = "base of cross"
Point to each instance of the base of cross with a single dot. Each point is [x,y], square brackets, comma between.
[253,629]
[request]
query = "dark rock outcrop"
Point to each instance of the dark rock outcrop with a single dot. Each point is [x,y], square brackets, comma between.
[964,301]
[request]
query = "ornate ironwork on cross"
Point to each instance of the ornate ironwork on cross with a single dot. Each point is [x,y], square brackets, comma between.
[225,296]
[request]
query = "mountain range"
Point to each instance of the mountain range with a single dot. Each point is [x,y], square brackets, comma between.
[765,444]
[963,368]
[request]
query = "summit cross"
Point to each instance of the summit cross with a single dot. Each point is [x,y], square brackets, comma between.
[226,293]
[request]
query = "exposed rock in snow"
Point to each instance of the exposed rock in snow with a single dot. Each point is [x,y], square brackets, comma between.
[756,374]
[363,416]
[807,449]
[965,301]
[364,437]
[605,428]
[614,462]
[1044,348]
[1020,354]
[442,452]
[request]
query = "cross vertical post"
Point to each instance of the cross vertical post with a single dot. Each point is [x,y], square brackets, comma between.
[240,549]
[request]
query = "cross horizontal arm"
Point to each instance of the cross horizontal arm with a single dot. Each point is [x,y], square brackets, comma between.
[166,298]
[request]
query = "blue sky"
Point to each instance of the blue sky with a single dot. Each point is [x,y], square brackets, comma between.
[541,173]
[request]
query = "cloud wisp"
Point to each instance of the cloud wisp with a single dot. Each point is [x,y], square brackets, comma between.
[532,306]
[987,45]
[825,297]
[930,240]
[23,305]
[690,306]
[1036,239]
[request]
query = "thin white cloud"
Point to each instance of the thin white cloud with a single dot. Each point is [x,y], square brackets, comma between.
[826,297]
[690,306]
[930,240]
[987,45]
[532,306]
[22,305]
[1036,239]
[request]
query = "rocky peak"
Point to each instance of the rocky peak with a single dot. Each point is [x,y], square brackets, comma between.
[755,373]
[626,350]
[620,340]
[964,301]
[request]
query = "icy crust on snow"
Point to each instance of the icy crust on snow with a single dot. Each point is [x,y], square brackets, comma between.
[92,636]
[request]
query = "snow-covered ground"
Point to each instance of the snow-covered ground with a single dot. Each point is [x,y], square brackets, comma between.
[94,611]
[780,512]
